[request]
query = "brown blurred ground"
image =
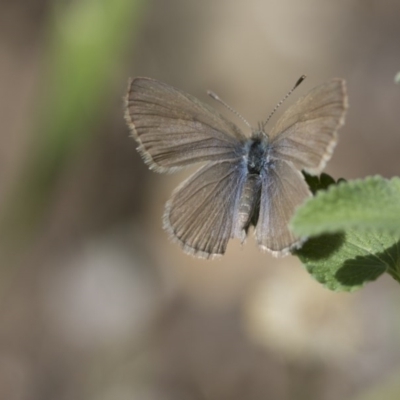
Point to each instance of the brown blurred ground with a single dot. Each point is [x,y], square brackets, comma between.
[104,306]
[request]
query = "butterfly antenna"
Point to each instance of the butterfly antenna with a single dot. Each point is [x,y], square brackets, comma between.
[301,79]
[216,97]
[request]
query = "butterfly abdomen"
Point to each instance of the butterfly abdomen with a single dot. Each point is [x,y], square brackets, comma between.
[248,206]
[255,158]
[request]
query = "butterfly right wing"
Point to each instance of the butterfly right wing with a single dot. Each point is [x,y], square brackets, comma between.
[174,129]
[203,211]
[306,133]
[302,139]
[283,189]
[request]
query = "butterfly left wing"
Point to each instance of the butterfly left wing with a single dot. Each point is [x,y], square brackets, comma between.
[202,212]
[283,189]
[174,129]
[306,133]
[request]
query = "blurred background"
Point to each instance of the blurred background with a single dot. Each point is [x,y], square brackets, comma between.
[95,301]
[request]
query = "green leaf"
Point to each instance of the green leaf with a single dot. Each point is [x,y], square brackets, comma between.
[358,224]
[372,203]
[346,261]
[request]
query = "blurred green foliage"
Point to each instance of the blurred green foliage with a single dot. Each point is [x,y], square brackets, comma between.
[86,40]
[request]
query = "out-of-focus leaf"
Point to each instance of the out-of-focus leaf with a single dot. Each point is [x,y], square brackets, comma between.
[86,42]
[316,183]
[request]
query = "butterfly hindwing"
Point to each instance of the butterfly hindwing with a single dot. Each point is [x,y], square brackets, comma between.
[283,189]
[202,212]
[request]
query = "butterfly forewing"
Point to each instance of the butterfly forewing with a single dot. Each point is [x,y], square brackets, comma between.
[306,132]
[202,211]
[174,129]
[283,189]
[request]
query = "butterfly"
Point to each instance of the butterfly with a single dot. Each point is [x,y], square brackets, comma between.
[246,180]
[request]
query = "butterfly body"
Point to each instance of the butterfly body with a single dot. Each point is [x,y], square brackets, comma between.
[244,181]
[257,153]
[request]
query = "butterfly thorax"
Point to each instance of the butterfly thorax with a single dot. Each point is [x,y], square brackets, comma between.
[256,154]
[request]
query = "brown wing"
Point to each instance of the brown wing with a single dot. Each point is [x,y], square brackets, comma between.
[174,129]
[283,189]
[202,212]
[306,132]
